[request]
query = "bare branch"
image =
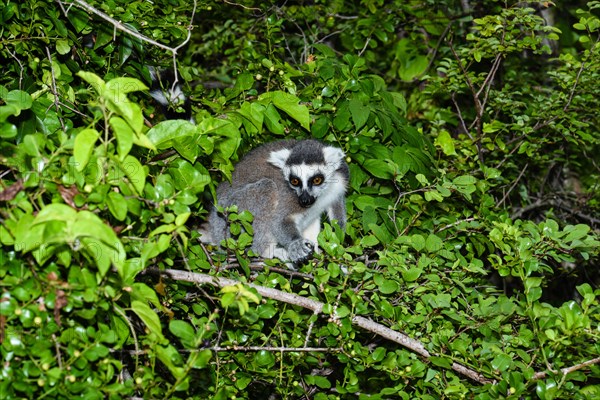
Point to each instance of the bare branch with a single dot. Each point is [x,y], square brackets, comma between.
[13,55]
[244,348]
[568,370]
[317,308]
[55,91]
[364,47]
[460,221]
[512,186]
[120,26]
[241,5]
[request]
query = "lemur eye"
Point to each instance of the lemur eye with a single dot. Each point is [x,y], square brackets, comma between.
[317,180]
[295,181]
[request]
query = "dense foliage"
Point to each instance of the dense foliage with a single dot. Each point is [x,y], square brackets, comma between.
[471,132]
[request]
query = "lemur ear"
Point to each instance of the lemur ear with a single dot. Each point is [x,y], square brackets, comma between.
[333,156]
[279,158]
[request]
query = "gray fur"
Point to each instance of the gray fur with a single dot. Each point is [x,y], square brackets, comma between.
[261,185]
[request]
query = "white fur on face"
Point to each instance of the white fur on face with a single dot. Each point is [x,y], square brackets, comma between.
[279,158]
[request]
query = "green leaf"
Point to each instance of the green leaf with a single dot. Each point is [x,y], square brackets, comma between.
[433,243]
[243,82]
[266,311]
[289,104]
[62,46]
[464,180]
[272,120]
[148,317]
[126,48]
[379,168]
[253,115]
[99,241]
[184,331]
[418,242]
[202,359]
[117,205]
[320,127]
[445,142]
[135,172]
[120,87]
[124,135]
[131,267]
[170,356]
[441,362]
[97,83]
[131,112]
[83,147]
[163,133]
[319,381]
[7,131]
[575,232]
[359,113]
[381,233]
[20,99]
[378,354]
[433,195]
[412,68]
[55,211]
[502,362]
[264,358]
[388,287]
[412,274]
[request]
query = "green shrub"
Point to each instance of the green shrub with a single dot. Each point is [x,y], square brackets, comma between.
[468,267]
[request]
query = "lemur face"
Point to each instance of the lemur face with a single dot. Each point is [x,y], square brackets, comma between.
[308,181]
[309,170]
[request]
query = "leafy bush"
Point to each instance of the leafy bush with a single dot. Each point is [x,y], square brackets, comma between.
[469,264]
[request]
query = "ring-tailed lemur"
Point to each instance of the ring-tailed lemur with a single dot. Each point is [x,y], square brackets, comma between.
[169,94]
[287,186]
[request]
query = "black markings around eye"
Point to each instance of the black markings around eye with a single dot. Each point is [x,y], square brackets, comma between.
[317,180]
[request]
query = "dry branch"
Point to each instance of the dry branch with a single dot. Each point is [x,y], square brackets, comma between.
[317,308]
[364,323]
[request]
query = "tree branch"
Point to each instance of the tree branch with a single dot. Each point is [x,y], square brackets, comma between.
[120,26]
[568,370]
[317,308]
[55,91]
[117,24]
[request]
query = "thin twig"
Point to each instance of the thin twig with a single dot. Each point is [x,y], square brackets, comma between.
[309,332]
[460,221]
[364,47]
[241,5]
[244,348]
[119,311]
[55,91]
[13,55]
[568,370]
[487,84]
[467,79]
[439,44]
[57,348]
[512,186]
[573,89]
[324,38]
[460,118]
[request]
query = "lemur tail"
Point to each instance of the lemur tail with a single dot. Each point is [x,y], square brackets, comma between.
[169,94]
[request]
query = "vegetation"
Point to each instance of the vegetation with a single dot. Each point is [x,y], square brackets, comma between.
[469,267]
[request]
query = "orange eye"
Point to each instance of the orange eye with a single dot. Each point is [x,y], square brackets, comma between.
[295,181]
[317,180]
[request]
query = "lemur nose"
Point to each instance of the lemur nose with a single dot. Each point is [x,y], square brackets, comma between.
[306,199]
